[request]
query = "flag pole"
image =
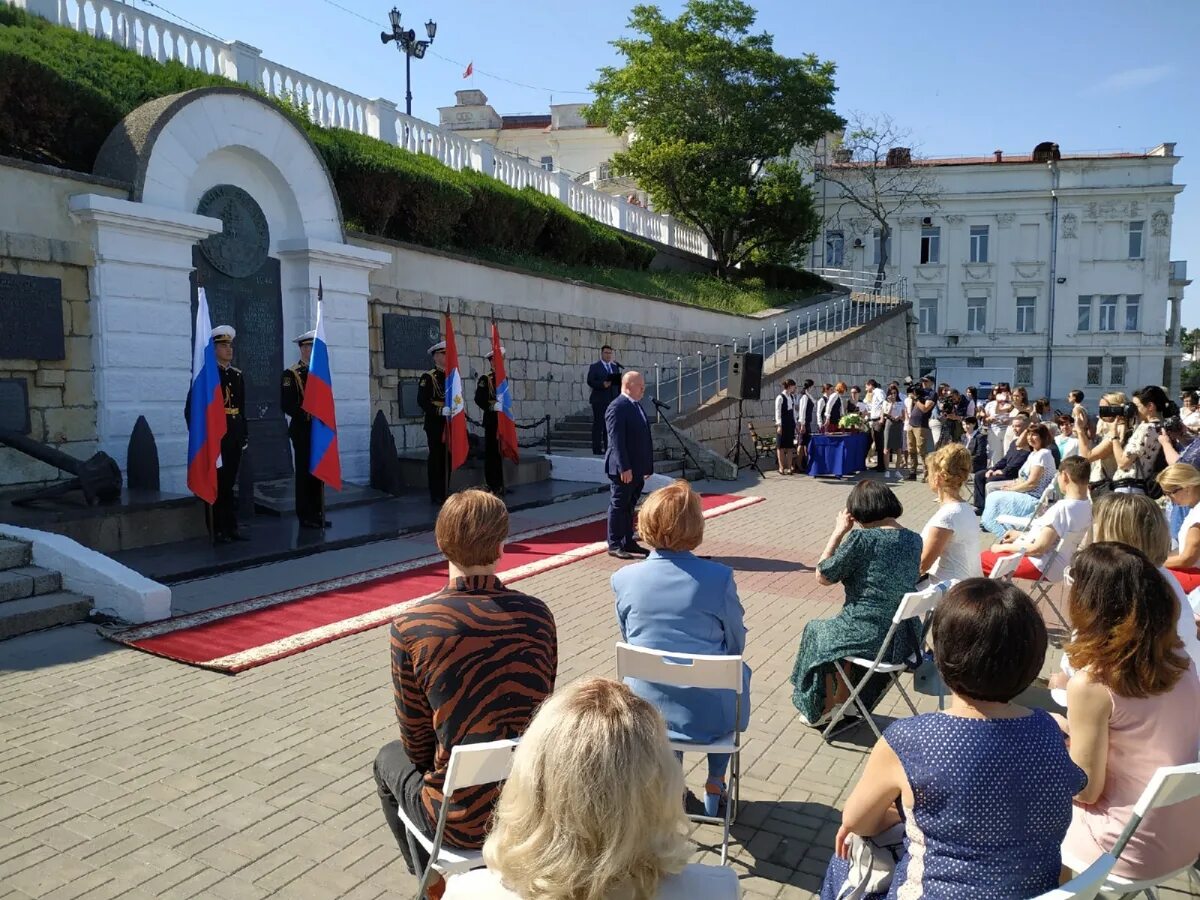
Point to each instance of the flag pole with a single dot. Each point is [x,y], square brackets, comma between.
[449,432]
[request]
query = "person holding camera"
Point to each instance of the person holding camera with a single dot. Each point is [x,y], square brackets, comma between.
[1095,444]
[1136,447]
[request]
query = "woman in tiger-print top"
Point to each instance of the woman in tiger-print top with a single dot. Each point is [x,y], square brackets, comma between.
[469,664]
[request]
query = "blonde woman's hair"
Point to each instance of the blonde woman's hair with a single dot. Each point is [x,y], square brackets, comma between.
[1179,475]
[953,464]
[671,518]
[593,804]
[1135,521]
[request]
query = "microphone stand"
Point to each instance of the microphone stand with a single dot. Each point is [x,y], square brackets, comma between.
[660,406]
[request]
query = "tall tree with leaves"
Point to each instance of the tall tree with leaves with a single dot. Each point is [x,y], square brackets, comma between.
[874,168]
[716,114]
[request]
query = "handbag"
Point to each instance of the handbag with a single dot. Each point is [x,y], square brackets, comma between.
[872,863]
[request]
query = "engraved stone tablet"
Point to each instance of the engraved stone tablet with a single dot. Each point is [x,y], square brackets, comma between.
[31,318]
[241,247]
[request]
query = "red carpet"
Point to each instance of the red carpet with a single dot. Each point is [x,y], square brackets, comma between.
[243,635]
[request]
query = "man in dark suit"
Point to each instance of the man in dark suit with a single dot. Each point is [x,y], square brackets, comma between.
[604,378]
[1007,467]
[628,463]
[310,490]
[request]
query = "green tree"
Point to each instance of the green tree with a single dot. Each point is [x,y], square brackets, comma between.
[1189,339]
[716,116]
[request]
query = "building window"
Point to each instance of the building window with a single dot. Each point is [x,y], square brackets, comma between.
[875,236]
[975,362]
[1133,312]
[927,317]
[931,239]
[835,248]
[1095,365]
[1117,371]
[1085,313]
[979,243]
[1107,319]
[976,315]
[1023,375]
[1135,239]
[926,365]
[548,163]
[1026,315]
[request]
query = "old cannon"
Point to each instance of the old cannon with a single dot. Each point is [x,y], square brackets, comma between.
[98,478]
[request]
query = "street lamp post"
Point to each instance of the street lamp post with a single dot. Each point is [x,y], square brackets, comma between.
[407,43]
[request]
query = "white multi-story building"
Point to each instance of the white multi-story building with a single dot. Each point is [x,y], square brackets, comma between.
[1056,267]
[560,141]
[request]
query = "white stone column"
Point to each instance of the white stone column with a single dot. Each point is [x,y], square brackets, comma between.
[142,323]
[240,62]
[381,120]
[344,272]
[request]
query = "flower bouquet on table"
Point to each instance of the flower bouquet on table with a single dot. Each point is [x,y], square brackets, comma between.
[850,422]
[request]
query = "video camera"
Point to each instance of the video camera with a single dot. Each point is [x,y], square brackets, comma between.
[1122,411]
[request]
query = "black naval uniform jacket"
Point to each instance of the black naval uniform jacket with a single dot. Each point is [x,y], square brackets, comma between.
[291,399]
[431,397]
[233,390]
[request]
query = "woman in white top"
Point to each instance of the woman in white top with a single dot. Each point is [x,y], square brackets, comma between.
[1020,497]
[1190,413]
[592,809]
[1065,440]
[950,539]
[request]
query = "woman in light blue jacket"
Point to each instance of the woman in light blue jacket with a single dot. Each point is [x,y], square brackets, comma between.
[677,602]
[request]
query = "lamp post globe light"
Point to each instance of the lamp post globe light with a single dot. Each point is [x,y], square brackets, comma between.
[407,43]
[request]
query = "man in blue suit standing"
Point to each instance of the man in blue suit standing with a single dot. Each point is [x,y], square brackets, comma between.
[604,378]
[628,463]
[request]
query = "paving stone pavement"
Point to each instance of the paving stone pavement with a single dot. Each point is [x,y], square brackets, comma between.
[125,775]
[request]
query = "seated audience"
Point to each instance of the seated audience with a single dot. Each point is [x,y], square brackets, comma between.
[1020,497]
[878,564]
[676,601]
[1133,706]
[985,786]
[1181,485]
[950,539]
[442,698]
[1007,466]
[1069,518]
[1136,521]
[591,809]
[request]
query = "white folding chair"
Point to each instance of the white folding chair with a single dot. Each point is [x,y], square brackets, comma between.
[1086,885]
[915,605]
[1045,501]
[1039,588]
[470,765]
[683,670]
[1005,566]
[1168,786]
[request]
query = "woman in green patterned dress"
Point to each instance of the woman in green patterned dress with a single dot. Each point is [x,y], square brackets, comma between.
[878,563]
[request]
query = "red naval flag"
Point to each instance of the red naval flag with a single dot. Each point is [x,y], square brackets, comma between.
[506,428]
[456,424]
[470,69]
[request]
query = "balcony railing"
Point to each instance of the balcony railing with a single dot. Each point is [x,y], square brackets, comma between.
[328,105]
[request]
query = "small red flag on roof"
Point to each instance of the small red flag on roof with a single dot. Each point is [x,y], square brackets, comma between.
[470,69]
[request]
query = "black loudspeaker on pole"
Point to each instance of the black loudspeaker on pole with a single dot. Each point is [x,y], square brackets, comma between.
[745,376]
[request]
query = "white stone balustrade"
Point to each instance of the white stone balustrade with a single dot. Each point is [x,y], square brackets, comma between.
[330,106]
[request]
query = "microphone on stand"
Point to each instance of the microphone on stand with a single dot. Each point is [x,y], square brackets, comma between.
[659,403]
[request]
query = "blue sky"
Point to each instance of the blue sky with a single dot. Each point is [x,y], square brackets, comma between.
[965,77]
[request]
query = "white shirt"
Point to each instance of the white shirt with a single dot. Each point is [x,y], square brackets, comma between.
[695,882]
[876,403]
[1070,519]
[1067,446]
[783,398]
[960,557]
[908,405]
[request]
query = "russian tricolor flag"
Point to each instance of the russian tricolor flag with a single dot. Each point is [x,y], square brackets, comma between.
[206,415]
[323,461]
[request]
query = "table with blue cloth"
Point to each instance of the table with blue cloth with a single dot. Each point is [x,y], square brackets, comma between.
[838,454]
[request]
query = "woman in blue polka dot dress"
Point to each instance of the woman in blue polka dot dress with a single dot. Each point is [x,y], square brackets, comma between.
[985,786]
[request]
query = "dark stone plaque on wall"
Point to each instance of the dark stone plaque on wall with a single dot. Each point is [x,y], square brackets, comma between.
[407,339]
[253,305]
[14,405]
[31,318]
[406,396]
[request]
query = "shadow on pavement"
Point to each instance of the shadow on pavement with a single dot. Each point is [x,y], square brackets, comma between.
[54,647]
[761,564]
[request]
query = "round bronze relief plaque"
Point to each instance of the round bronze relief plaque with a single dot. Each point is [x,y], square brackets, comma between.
[241,247]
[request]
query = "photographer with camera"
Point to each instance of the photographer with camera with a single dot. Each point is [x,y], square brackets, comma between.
[1134,441]
[1095,444]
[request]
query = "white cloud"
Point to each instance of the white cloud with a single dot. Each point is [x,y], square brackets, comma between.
[1128,79]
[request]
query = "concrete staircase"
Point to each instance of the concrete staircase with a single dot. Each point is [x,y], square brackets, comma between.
[572,436]
[32,598]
